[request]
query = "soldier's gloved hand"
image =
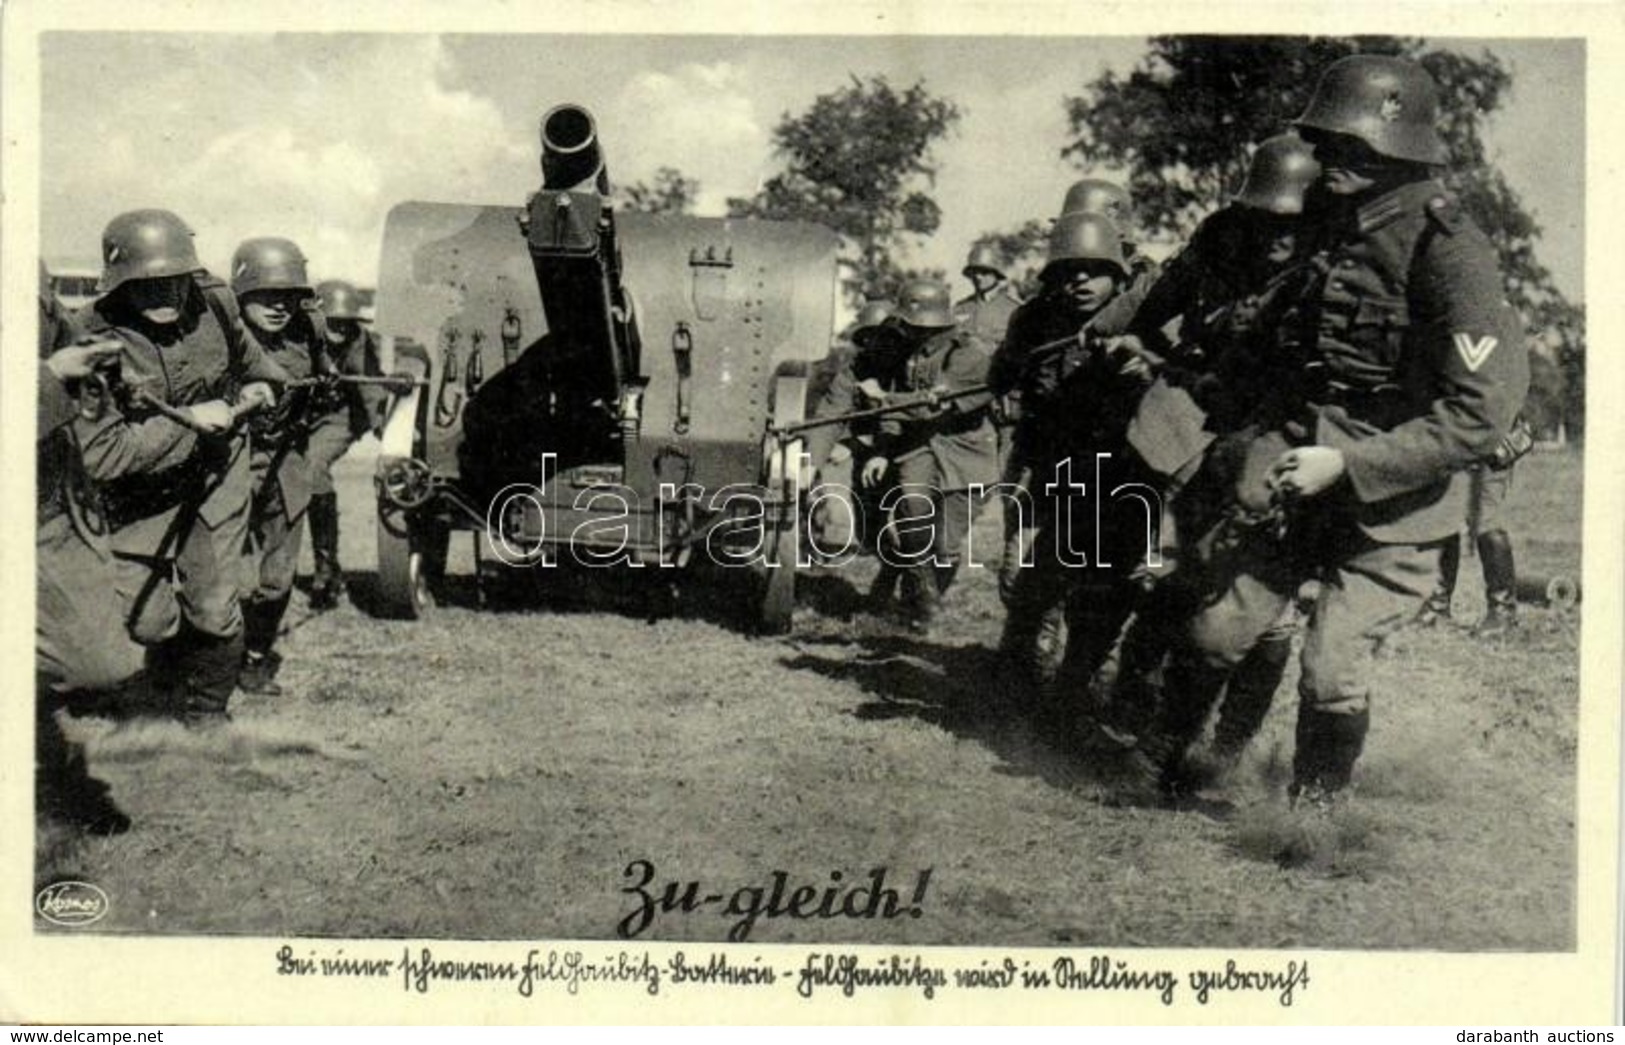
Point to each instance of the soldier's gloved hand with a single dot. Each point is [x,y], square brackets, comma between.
[874,470]
[1306,471]
[76,362]
[870,389]
[213,417]
[840,454]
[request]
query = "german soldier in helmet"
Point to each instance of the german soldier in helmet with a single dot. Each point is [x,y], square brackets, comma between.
[178,521]
[1242,264]
[986,311]
[864,375]
[1415,371]
[278,301]
[1076,399]
[935,452]
[344,415]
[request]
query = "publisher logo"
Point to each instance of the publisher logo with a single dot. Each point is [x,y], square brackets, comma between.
[71,903]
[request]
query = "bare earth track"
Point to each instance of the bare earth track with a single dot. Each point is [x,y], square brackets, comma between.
[488,774]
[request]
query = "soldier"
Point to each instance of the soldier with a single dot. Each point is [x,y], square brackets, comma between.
[1416,371]
[1491,480]
[936,451]
[177,528]
[1238,266]
[1076,399]
[864,373]
[343,418]
[269,279]
[985,313]
[80,644]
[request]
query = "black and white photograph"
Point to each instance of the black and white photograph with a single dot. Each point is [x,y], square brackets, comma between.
[871,506]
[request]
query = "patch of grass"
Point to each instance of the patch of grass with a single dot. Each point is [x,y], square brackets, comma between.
[1345,841]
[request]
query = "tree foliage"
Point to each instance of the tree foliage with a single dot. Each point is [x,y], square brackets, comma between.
[859,161]
[671,193]
[1182,122]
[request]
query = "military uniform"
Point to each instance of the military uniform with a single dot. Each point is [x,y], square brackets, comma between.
[281,488]
[178,532]
[937,454]
[80,636]
[987,317]
[1417,371]
[345,415]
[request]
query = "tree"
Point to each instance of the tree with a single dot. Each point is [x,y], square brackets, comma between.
[1181,124]
[671,193]
[859,161]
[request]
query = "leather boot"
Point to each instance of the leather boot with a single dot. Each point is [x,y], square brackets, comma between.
[1500,584]
[1328,745]
[921,599]
[210,667]
[1436,610]
[327,586]
[1247,701]
[261,620]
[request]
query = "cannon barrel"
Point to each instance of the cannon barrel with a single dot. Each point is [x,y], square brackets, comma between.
[570,154]
[569,229]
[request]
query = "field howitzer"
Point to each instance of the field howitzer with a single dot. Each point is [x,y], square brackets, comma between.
[581,384]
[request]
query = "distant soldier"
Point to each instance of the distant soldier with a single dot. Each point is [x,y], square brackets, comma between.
[865,372]
[934,452]
[178,527]
[986,312]
[1486,528]
[1416,371]
[1076,400]
[277,299]
[345,415]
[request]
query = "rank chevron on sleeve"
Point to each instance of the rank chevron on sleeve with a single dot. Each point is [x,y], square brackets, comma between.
[1473,353]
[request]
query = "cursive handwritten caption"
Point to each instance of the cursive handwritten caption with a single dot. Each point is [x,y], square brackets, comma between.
[422,970]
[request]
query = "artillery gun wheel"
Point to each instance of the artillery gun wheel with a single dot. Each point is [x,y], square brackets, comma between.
[778,582]
[411,563]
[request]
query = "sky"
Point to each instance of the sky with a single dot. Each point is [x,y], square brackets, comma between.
[316,136]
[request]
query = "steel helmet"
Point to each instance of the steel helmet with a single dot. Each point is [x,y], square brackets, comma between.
[340,300]
[145,244]
[1282,169]
[871,319]
[1389,103]
[1081,237]
[984,258]
[1094,196]
[926,303]
[268,263]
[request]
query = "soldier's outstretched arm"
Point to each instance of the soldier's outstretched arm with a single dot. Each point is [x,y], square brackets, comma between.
[115,445]
[1467,354]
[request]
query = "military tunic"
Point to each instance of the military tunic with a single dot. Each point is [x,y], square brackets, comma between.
[183,521]
[80,636]
[346,417]
[281,472]
[1418,370]
[941,455]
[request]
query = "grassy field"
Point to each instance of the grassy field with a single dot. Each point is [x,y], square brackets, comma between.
[485,774]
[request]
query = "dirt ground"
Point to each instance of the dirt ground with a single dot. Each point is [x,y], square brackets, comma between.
[490,774]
